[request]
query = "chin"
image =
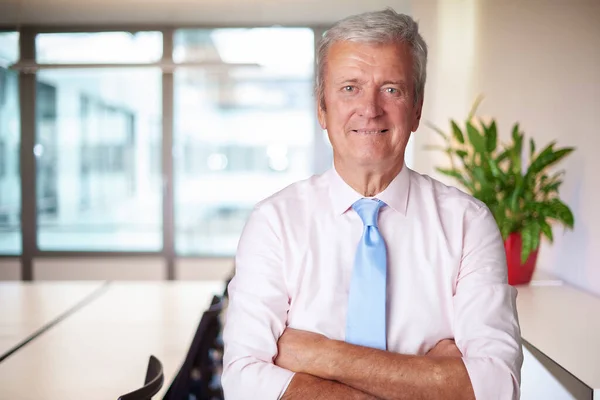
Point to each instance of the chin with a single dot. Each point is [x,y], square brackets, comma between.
[370,158]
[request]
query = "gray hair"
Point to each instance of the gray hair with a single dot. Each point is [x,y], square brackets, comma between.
[380,27]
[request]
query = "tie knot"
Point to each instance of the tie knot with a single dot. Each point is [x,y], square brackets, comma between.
[368,210]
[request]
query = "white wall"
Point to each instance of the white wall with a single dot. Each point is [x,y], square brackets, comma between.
[536,62]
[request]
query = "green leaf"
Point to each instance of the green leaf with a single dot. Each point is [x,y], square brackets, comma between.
[505,229]
[475,106]
[495,169]
[561,212]
[503,156]
[549,149]
[458,135]
[458,176]
[491,135]
[556,176]
[551,188]
[536,233]
[516,195]
[476,139]
[480,175]
[515,132]
[527,243]
[547,230]
[531,148]
[437,130]
[546,158]
[435,147]
[461,153]
[530,236]
[516,152]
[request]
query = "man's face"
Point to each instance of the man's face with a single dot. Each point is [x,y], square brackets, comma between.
[369,98]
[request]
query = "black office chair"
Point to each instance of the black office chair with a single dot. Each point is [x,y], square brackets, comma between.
[199,375]
[215,300]
[152,384]
[227,282]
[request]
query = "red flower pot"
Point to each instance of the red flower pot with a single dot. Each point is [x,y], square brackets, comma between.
[518,273]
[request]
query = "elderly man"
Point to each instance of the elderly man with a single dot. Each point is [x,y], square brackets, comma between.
[371,280]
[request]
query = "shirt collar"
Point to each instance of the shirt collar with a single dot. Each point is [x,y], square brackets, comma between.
[395,195]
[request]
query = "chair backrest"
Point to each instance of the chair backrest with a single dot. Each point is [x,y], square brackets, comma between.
[198,369]
[227,282]
[152,384]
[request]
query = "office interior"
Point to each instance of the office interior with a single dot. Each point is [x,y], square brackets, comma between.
[136,137]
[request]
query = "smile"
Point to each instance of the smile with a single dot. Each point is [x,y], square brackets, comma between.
[370,131]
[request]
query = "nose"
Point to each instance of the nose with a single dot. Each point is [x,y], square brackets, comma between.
[369,106]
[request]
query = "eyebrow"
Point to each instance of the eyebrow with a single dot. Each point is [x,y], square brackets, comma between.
[351,80]
[402,84]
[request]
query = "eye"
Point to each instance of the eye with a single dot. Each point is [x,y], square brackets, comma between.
[391,90]
[348,88]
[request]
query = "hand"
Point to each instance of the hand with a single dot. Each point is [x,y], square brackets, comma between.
[445,348]
[299,350]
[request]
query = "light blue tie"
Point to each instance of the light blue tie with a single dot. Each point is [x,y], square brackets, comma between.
[365,323]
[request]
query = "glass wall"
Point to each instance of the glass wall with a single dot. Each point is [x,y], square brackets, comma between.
[10,180]
[244,128]
[98,155]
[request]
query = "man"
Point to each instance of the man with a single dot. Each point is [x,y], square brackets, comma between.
[371,280]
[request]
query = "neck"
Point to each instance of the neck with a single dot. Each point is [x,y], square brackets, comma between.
[368,180]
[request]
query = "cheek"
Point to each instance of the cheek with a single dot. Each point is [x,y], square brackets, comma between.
[338,116]
[401,116]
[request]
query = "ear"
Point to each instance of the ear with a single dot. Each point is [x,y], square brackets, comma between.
[321,116]
[417,115]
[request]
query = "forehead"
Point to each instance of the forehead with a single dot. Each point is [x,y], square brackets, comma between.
[346,57]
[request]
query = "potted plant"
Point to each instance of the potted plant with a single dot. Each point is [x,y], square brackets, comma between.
[524,201]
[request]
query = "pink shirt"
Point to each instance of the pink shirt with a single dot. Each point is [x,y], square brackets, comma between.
[446,279]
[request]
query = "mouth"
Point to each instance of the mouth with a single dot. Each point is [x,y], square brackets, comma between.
[370,131]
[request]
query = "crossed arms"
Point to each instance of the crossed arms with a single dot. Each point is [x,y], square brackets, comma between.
[329,369]
[485,329]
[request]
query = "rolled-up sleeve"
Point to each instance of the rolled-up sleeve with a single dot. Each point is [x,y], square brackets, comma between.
[486,326]
[257,313]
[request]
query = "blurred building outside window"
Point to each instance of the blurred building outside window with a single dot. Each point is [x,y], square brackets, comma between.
[98,144]
[241,133]
[244,128]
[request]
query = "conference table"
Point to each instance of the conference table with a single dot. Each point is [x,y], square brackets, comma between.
[27,309]
[101,349]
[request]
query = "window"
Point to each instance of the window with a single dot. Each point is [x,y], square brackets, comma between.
[10,180]
[244,128]
[98,171]
[101,47]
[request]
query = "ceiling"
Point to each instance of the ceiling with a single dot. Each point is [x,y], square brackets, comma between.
[185,12]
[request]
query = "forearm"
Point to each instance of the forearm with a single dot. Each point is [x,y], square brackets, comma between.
[388,375]
[304,386]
